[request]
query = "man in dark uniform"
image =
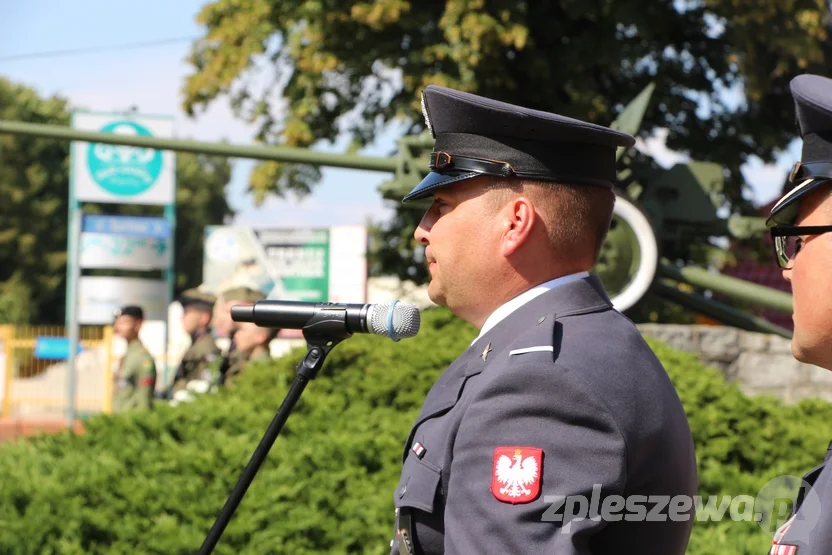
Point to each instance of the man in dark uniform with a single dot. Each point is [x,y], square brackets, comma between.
[198,307]
[559,396]
[135,380]
[801,227]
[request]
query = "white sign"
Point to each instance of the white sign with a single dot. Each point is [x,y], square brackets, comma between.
[348,264]
[306,264]
[122,174]
[100,296]
[125,252]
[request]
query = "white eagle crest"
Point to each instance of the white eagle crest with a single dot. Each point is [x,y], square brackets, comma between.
[517,475]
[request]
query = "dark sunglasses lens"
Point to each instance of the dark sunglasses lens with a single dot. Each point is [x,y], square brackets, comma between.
[787,248]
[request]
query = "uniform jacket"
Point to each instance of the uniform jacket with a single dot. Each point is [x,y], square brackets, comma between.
[136,379]
[808,531]
[237,361]
[565,386]
[197,360]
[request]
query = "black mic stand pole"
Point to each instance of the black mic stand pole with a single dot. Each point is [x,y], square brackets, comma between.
[322,334]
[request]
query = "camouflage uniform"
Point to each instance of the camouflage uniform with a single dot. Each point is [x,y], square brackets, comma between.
[238,361]
[136,379]
[198,359]
[233,361]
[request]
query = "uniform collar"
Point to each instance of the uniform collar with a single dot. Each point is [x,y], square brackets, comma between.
[199,333]
[498,315]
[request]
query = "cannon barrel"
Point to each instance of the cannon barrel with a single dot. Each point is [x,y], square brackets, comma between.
[732,287]
[259,152]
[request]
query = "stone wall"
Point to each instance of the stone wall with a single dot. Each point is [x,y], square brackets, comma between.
[762,364]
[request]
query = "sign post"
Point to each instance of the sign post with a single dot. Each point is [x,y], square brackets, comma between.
[117,174]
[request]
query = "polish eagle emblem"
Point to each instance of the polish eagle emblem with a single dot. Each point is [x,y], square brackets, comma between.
[516,474]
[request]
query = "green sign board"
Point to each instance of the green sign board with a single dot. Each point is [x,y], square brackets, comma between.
[289,264]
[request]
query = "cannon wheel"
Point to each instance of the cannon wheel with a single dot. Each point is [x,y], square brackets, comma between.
[629,258]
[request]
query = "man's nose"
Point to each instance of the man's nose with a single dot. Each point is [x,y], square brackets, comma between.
[422,233]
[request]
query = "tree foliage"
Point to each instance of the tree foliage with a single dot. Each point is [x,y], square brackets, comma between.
[153,482]
[296,66]
[34,186]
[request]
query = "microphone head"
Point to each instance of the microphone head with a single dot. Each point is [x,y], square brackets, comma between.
[394,319]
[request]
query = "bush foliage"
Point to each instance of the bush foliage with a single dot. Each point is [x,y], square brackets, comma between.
[154,482]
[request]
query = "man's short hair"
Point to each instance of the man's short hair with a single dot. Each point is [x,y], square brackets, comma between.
[577,217]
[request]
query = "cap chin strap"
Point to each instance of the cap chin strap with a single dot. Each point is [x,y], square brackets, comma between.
[443,162]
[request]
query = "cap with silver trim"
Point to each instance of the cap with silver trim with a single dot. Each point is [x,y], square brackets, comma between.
[480,136]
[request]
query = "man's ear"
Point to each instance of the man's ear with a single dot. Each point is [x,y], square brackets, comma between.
[518,218]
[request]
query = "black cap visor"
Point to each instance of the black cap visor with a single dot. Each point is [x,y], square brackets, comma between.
[436,180]
[810,177]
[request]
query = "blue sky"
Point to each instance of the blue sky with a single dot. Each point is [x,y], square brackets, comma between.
[151,79]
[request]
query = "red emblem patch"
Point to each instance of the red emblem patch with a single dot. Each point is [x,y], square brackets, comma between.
[515,476]
[778,548]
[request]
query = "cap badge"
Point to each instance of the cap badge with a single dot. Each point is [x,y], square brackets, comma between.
[425,113]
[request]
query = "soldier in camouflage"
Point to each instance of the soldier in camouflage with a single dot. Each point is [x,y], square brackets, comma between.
[232,359]
[136,376]
[252,345]
[196,320]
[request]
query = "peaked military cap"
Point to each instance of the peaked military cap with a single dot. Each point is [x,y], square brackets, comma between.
[130,310]
[812,96]
[197,298]
[480,136]
[243,294]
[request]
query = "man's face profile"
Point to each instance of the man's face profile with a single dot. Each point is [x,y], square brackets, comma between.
[457,231]
[126,327]
[809,276]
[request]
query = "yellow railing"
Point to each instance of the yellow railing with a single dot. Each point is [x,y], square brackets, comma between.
[36,383]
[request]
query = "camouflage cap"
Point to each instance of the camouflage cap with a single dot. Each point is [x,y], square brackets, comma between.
[243,295]
[197,298]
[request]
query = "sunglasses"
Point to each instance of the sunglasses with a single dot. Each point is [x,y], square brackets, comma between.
[789,239]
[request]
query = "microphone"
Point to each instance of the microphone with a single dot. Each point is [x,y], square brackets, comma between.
[393,319]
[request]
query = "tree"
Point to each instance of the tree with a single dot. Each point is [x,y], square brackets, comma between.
[320,60]
[33,210]
[34,177]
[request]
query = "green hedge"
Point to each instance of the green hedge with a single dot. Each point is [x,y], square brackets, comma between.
[154,482]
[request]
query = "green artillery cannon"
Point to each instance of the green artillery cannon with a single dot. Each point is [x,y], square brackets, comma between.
[678,204]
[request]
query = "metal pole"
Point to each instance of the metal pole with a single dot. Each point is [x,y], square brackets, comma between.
[73,276]
[257,152]
[73,273]
[170,277]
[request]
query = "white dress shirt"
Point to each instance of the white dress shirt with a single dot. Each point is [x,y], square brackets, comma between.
[523,298]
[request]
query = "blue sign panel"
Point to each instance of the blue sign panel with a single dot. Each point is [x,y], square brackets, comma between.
[53,348]
[137,226]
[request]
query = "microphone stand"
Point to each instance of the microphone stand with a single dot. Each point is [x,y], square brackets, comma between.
[322,334]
